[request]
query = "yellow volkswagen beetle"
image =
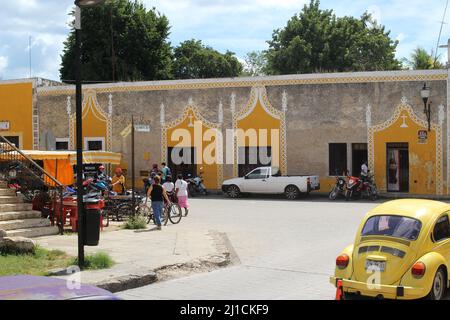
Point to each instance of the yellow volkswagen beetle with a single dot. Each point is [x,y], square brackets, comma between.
[401,251]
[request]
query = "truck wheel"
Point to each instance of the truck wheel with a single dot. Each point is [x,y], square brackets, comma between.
[439,285]
[233,192]
[292,192]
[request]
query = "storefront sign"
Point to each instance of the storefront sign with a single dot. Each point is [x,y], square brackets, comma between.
[423,136]
[4,126]
[142,128]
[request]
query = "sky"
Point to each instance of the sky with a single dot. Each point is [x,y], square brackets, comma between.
[237,25]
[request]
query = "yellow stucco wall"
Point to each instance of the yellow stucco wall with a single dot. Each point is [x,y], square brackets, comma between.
[422,157]
[259,119]
[95,124]
[16,106]
[210,171]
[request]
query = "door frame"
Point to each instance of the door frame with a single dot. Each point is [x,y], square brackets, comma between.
[388,148]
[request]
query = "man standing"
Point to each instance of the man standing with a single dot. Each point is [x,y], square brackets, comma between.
[165,171]
[364,171]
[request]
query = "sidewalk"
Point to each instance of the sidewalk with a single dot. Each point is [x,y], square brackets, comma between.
[145,256]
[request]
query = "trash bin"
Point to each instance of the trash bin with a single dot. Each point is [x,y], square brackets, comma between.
[92,223]
[92,236]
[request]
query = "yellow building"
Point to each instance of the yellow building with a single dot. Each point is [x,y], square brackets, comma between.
[16,113]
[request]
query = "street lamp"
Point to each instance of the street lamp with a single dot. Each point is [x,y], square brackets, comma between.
[79,126]
[425,93]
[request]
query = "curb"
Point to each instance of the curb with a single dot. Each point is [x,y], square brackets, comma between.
[225,257]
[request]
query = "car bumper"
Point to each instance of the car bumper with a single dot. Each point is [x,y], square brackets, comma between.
[385,291]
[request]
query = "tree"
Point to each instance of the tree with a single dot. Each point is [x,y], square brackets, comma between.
[193,60]
[255,64]
[422,60]
[121,40]
[316,40]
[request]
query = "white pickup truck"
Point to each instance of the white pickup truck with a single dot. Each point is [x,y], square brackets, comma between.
[268,180]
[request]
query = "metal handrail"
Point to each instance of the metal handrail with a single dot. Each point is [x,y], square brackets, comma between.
[10,152]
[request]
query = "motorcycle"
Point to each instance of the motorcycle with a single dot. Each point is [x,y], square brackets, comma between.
[362,188]
[339,188]
[196,186]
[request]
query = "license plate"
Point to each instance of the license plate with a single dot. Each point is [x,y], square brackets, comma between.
[375,265]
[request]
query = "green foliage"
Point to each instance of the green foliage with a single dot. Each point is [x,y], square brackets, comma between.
[97,261]
[422,60]
[193,60]
[255,64]
[135,223]
[121,41]
[316,40]
[38,263]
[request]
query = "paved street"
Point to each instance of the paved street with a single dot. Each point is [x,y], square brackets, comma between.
[286,249]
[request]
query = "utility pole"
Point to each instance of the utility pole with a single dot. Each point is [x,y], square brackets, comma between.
[133,173]
[79,138]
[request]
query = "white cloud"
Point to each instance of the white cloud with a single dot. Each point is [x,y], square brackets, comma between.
[3,63]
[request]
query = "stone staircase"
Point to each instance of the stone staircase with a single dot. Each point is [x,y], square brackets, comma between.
[18,219]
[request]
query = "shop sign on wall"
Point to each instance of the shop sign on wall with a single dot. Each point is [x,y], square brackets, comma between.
[423,136]
[4,125]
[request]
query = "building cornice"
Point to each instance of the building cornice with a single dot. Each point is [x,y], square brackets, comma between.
[285,80]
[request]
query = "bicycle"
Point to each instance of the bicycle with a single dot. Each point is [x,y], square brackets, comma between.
[171,212]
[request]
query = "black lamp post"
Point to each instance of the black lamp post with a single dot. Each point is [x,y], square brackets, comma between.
[425,93]
[79,134]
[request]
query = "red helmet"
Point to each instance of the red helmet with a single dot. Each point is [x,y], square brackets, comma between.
[101,168]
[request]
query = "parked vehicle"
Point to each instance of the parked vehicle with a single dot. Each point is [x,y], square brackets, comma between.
[25,287]
[196,186]
[357,187]
[339,189]
[404,245]
[268,180]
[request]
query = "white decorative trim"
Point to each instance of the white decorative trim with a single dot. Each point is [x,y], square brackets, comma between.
[69,105]
[90,139]
[220,112]
[284,102]
[110,105]
[448,132]
[404,100]
[233,104]
[441,114]
[421,123]
[354,77]
[162,118]
[90,104]
[369,116]
[260,94]
[190,109]
[190,101]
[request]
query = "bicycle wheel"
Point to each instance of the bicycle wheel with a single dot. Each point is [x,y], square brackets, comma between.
[105,214]
[124,210]
[146,212]
[174,213]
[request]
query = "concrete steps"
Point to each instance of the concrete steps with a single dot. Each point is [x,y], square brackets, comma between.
[24,224]
[18,219]
[10,199]
[33,232]
[15,207]
[19,215]
[8,192]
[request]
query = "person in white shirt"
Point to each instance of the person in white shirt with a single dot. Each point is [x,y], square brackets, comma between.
[364,169]
[181,189]
[169,185]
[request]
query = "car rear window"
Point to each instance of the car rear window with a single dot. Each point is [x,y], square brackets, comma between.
[392,226]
